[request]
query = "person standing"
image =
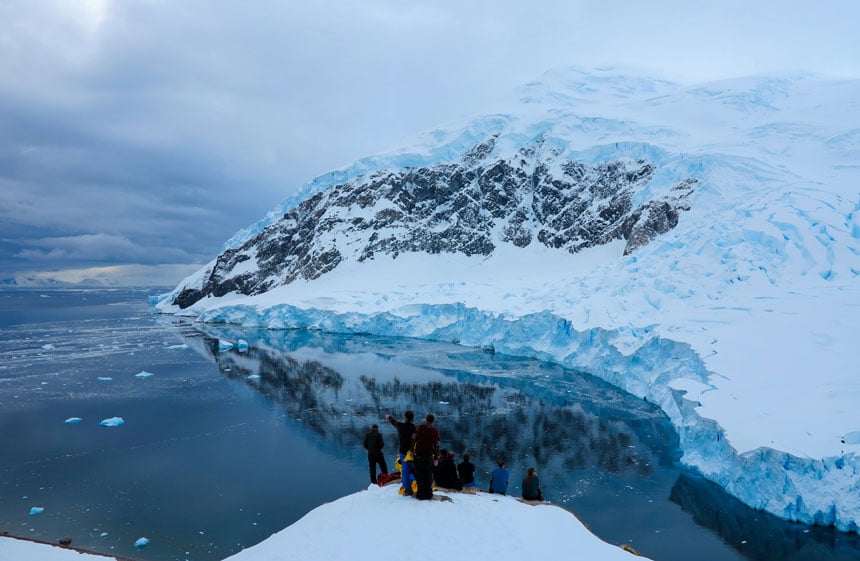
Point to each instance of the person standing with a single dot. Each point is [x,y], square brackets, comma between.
[425,449]
[499,479]
[531,486]
[405,432]
[374,444]
[466,471]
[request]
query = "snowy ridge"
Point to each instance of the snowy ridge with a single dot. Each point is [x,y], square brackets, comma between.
[734,320]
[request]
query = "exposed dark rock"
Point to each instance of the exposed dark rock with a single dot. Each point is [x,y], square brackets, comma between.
[466,207]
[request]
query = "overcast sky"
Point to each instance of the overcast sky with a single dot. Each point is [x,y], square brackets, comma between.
[146,132]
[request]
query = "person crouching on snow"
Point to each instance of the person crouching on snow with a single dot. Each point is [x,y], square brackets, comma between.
[405,431]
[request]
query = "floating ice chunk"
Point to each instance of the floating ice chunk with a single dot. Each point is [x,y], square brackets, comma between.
[141,542]
[103,535]
[37,510]
[224,345]
[254,377]
[183,346]
[105,378]
[113,422]
[48,347]
[242,345]
[143,374]
[444,403]
[73,420]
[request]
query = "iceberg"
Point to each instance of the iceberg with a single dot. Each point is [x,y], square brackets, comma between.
[141,542]
[73,420]
[224,345]
[112,422]
[36,510]
[104,378]
[242,345]
[143,374]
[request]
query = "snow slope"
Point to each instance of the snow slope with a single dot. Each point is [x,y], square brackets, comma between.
[371,524]
[353,528]
[741,322]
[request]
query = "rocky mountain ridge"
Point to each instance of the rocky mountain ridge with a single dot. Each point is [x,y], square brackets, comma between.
[469,206]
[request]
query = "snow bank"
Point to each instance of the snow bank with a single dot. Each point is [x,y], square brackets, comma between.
[15,549]
[379,523]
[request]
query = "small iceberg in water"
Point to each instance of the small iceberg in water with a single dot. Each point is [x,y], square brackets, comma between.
[224,345]
[143,374]
[73,420]
[37,510]
[141,542]
[242,345]
[113,422]
[105,378]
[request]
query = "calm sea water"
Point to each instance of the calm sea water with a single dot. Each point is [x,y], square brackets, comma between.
[222,448]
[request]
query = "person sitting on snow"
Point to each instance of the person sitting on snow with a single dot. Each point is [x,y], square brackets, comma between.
[448,477]
[499,479]
[531,486]
[466,471]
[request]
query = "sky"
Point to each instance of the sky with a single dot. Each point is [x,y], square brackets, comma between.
[137,136]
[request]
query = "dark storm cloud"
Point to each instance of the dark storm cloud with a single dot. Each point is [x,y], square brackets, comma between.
[149,131]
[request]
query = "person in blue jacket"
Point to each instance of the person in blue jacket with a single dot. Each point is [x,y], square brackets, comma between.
[499,479]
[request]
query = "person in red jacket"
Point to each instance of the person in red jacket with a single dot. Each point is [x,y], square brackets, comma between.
[425,449]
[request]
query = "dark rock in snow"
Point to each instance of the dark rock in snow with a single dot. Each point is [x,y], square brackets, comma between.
[465,207]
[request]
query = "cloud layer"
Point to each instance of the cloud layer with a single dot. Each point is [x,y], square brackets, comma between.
[147,131]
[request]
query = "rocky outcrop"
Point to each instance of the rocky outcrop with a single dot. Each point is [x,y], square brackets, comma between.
[467,207]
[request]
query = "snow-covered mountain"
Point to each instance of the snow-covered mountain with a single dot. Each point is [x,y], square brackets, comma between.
[695,245]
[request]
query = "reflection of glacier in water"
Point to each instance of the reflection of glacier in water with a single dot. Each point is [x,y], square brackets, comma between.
[605,454]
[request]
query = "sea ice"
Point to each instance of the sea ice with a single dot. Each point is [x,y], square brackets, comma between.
[141,542]
[143,374]
[73,420]
[113,422]
[37,510]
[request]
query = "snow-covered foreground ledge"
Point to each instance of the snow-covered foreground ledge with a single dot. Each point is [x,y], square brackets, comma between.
[14,549]
[373,524]
[380,523]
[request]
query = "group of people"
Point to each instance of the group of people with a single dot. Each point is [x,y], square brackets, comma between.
[421,460]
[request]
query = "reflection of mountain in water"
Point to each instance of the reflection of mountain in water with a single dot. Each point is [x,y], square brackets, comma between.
[600,451]
[574,423]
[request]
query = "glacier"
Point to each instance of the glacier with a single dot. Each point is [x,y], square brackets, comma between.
[740,322]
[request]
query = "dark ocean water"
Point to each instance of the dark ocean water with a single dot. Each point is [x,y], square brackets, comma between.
[222,448]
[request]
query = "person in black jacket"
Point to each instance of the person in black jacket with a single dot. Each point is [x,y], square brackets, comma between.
[531,486]
[374,444]
[466,471]
[405,432]
[448,477]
